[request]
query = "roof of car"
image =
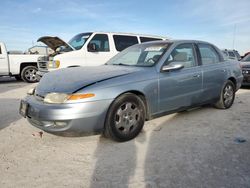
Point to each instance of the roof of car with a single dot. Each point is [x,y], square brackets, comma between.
[124,33]
[178,41]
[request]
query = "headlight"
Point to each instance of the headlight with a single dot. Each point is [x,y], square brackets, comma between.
[31,91]
[56,98]
[54,64]
[59,98]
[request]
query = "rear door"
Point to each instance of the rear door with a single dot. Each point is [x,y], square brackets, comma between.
[214,71]
[180,88]
[4,66]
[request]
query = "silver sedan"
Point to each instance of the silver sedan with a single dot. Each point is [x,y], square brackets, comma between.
[140,83]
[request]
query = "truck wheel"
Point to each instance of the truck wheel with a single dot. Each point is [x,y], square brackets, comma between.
[28,74]
[125,118]
[227,96]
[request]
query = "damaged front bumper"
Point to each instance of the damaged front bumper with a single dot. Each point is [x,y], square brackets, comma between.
[75,118]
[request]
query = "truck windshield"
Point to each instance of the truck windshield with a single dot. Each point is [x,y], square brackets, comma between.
[247,58]
[79,40]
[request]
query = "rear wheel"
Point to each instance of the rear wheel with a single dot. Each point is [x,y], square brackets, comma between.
[125,118]
[227,96]
[28,74]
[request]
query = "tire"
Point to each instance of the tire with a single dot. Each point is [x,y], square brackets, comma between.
[17,77]
[28,74]
[227,96]
[125,118]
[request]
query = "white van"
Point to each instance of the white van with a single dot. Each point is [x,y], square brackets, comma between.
[87,49]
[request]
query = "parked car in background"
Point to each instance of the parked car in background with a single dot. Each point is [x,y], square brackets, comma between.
[142,82]
[245,63]
[231,54]
[87,49]
[20,66]
[245,55]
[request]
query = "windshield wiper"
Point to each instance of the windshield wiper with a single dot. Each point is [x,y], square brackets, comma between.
[123,64]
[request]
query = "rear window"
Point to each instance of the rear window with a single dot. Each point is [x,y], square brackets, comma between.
[123,41]
[208,54]
[148,39]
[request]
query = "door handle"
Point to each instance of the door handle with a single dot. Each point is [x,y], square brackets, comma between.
[2,58]
[223,70]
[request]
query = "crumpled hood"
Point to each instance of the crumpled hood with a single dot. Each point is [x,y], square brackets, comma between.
[54,42]
[69,80]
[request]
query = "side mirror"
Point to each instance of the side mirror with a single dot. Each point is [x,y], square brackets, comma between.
[92,47]
[172,67]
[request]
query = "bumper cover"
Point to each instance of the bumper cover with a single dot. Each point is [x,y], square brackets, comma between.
[77,118]
[246,80]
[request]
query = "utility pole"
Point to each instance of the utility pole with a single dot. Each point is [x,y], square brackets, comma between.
[234,33]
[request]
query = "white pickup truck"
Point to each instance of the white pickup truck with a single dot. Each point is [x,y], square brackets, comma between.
[20,66]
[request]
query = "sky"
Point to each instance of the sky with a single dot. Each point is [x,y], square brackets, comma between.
[225,23]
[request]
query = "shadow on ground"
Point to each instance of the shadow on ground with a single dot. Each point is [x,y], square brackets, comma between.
[115,163]
[7,84]
[199,149]
[9,112]
[190,149]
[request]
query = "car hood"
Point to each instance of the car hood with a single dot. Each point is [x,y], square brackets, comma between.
[54,42]
[69,80]
[245,64]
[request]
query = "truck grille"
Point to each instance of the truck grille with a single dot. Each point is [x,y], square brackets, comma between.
[42,65]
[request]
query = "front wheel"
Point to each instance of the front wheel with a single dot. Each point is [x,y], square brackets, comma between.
[125,118]
[227,96]
[28,74]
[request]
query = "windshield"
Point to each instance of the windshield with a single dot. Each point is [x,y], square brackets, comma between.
[237,54]
[79,40]
[143,55]
[247,58]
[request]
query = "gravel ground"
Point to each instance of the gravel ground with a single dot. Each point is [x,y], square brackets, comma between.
[196,148]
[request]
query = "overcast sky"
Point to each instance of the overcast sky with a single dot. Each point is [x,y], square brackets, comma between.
[215,21]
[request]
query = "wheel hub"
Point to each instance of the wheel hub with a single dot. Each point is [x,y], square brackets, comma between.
[228,94]
[127,117]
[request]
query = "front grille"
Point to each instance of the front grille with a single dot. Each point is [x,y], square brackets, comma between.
[43,58]
[246,71]
[42,65]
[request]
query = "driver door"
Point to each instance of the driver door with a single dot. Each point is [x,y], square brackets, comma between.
[183,87]
[102,52]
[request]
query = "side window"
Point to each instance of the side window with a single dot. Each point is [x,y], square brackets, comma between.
[101,41]
[231,54]
[208,54]
[122,41]
[182,54]
[0,50]
[147,39]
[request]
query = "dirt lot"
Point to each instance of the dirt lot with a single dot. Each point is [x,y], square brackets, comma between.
[189,149]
